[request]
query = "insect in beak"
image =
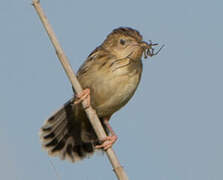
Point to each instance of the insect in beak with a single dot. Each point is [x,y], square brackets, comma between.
[149,50]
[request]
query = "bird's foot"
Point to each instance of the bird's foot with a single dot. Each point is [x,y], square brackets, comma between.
[107,142]
[85,94]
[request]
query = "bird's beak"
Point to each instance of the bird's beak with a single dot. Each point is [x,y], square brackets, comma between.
[145,45]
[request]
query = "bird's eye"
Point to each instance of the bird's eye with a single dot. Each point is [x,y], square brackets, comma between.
[122,41]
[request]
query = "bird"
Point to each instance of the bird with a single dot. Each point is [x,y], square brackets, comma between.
[109,76]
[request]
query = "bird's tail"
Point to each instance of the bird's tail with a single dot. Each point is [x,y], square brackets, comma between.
[66,136]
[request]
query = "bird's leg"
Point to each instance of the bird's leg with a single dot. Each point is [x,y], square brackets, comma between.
[85,94]
[109,140]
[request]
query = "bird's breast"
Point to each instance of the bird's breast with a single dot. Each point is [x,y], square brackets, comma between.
[116,88]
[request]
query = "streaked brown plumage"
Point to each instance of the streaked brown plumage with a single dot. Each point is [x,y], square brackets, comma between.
[112,73]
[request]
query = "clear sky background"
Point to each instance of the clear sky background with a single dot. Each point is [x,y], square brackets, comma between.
[170,130]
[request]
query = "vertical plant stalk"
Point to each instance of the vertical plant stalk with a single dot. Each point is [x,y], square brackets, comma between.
[92,116]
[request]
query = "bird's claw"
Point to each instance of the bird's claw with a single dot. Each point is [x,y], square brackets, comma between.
[107,142]
[85,94]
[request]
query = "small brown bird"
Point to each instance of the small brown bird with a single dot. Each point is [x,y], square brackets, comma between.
[110,76]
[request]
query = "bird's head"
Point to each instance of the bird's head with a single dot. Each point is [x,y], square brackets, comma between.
[127,42]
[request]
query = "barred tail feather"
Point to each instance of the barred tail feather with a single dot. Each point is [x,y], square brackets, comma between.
[61,135]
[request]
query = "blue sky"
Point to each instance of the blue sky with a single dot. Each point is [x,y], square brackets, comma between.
[170,130]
